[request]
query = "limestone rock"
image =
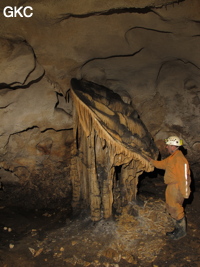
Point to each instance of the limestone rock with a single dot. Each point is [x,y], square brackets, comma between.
[145,51]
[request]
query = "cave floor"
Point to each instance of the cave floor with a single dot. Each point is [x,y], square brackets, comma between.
[136,237]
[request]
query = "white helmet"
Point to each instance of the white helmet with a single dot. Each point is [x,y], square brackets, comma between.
[174,141]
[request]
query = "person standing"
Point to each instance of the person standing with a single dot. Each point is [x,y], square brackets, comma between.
[178,180]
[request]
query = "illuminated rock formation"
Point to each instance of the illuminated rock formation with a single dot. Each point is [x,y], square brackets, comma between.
[110,149]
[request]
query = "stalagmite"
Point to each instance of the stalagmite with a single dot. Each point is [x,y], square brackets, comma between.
[110,148]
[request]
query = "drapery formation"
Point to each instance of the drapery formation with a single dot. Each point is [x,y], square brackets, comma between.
[109,151]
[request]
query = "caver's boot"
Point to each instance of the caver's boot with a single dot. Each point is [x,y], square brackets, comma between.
[172,233]
[180,229]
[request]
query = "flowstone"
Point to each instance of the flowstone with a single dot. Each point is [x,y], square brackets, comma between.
[111,146]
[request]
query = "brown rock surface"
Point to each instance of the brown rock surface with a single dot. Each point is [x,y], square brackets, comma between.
[146,51]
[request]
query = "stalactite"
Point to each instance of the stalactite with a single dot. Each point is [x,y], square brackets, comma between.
[106,138]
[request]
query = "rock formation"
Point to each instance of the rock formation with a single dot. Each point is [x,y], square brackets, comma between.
[108,137]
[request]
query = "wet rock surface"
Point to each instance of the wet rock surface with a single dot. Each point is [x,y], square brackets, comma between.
[136,237]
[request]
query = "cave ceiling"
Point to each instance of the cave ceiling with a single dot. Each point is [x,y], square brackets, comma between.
[145,51]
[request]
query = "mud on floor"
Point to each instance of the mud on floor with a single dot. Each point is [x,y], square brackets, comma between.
[134,238]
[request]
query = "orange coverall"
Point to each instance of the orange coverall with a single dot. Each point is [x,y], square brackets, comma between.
[177,178]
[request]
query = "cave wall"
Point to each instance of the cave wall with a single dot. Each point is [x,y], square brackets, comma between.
[146,51]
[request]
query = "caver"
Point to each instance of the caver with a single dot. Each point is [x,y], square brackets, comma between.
[177,178]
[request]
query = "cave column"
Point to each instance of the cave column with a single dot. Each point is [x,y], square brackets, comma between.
[74,172]
[95,197]
[107,193]
[106,172]
[129,182]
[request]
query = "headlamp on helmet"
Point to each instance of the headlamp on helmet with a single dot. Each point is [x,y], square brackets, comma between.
[174,141]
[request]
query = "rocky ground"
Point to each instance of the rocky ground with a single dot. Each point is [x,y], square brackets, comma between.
[134,238]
